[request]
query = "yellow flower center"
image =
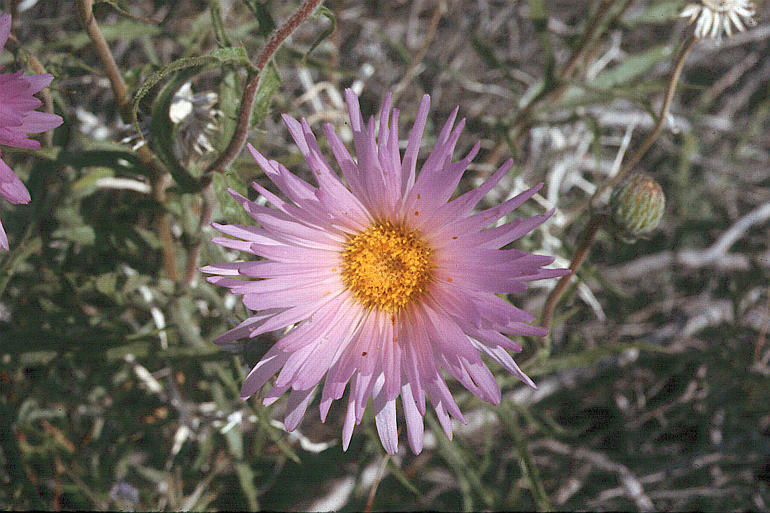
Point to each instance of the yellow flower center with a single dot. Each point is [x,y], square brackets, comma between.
[386,267]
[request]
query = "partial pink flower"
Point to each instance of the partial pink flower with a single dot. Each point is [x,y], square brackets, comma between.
[18,118]
[386,281]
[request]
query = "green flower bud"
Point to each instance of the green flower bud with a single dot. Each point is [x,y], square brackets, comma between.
[636,206]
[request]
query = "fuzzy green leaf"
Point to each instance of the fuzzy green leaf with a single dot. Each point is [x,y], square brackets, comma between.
[269,83]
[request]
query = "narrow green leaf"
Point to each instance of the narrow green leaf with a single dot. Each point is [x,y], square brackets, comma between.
[87,184]
[246,480]
[659,12]
[107,284]
[528,467]
[15,258]
[218,24]
[230,208]
[266,22]
[538,11]
[631,67]
[487,53]
[81,234]
[117,160]
[234,439]
[230,90]
[124,30]
[328,14]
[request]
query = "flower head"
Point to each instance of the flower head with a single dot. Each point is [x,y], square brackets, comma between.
[387,280]
[713,17]
[196,119]
[18,118]
[636,206]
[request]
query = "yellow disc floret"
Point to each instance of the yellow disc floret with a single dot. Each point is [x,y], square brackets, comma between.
[386,267]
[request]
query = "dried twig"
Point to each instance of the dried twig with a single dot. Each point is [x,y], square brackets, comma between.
[413,69]
[727,239]
[524,117]
[630,482]
[716,255]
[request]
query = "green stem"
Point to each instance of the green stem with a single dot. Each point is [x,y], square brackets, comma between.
[528,466]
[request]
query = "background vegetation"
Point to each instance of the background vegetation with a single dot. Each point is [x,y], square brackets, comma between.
[654,393]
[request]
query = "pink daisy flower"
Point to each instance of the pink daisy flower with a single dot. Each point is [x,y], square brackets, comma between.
[18,118]
[386,280]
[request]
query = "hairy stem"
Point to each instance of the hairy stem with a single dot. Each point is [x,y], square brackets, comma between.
[587,239]
[596,221]
[119,88]
[235,146]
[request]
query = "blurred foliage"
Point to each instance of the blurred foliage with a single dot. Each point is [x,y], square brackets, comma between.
[655,396]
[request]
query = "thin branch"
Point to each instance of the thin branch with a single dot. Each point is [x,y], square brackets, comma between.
[717,255]
[119,88]
[588,236]
[248,97]
[735,232]
[630,482]
[523,119]
[235,146]
[207,212]
[158,174]
[657,129]
[593,28]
